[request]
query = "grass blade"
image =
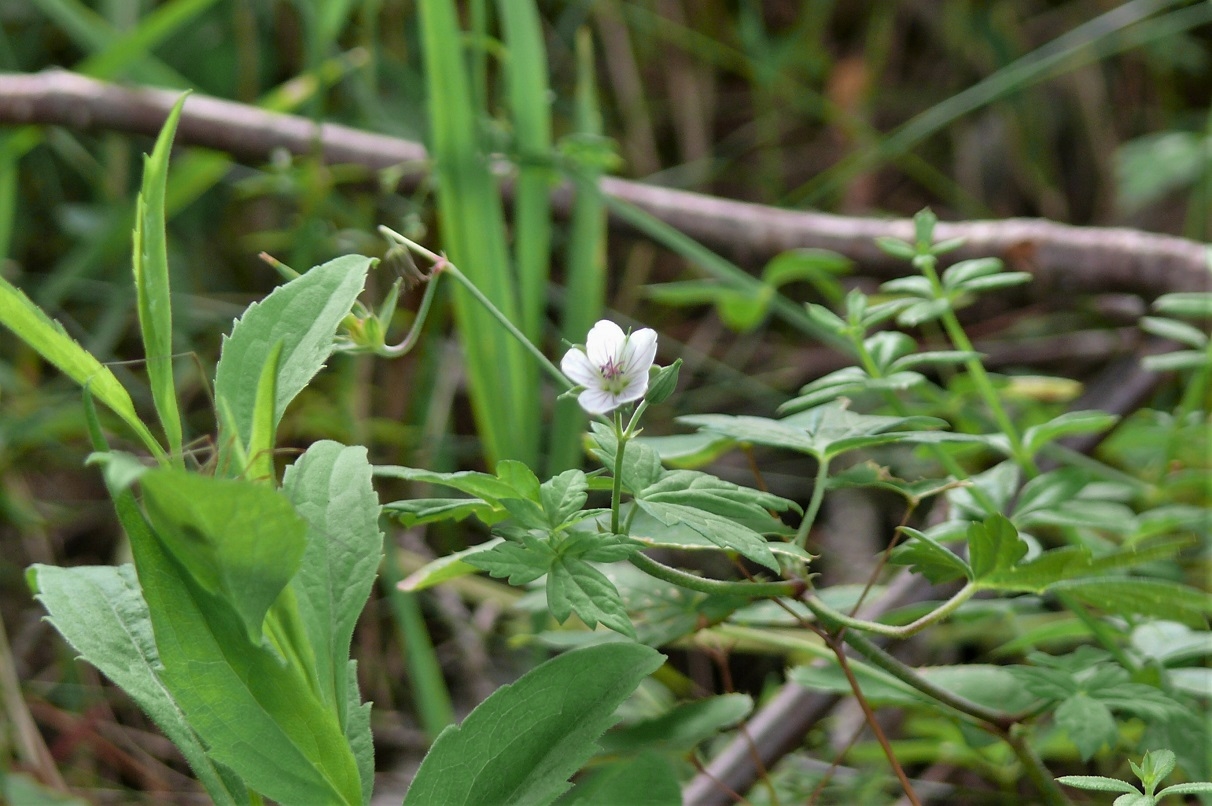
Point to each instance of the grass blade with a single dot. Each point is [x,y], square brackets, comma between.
[150,261]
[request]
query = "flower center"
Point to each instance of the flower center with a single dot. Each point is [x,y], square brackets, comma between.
[610,370]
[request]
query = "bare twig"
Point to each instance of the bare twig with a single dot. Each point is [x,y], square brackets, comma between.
[1064,259]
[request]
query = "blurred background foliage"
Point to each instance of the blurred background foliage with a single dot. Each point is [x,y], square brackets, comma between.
[1083,111]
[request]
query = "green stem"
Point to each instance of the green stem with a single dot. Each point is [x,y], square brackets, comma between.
[905,673]
[751,590]
[976,369]
[441,264]
[814,504]
[934,616]
[396,350]
[1034,767]
[616,487]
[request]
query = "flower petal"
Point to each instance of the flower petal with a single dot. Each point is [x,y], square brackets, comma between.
[636,388]
[604,342]
[579,369]
[639,352]
[598,401]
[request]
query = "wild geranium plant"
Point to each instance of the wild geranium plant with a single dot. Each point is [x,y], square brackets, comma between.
[232,627]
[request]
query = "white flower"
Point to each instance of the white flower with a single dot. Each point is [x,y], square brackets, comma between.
[613,366]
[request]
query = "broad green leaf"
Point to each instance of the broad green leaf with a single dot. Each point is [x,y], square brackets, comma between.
[915,285]
[1067,424]
[520,478]
[451,566]
[304,316]
[100,611]
[647,780]
[575,586]
[1037,574]
[992,686]
[721,531]
[682,729]
[524,742]
[1147,597]
[1088,722]
[871,474]
[357,731]
[330,487]
[713,494]
[928,557]
[28,322]
[1170,642]
[256,715]
[150,261]
[993,546]
[238,540]
[1155,767]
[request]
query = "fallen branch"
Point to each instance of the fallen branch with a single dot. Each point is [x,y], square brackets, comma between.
[1064,259]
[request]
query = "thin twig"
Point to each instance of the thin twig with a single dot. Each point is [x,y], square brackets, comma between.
[1064,259]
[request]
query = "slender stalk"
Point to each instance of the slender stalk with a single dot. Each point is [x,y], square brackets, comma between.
[905,631]
[1034,768]
[751,590]
[396,350]
[616,487]
[905,673]
[814,504]
[441,264]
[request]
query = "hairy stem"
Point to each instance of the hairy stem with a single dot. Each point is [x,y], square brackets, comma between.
[934,616]
[752,590]
[814,505]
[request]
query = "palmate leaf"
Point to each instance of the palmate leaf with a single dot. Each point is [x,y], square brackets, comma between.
[575,586]
[723,532]
[523,743]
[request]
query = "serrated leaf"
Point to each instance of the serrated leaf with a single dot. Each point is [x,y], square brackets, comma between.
[101,613]
[682,728]
[575,586]
[331,488]
[1037,574]
[304,315]
[929,558]
[563,496]
[1148,597]
[719,530]
[993,546]
[523,743]
[521,563]
[1175,330]
[1088,722]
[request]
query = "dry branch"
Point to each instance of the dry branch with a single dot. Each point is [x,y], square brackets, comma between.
[1064,259]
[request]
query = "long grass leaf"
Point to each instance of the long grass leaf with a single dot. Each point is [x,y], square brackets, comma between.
[528,91]
[585,261]
[35,328]
[473,227]
[150,262]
